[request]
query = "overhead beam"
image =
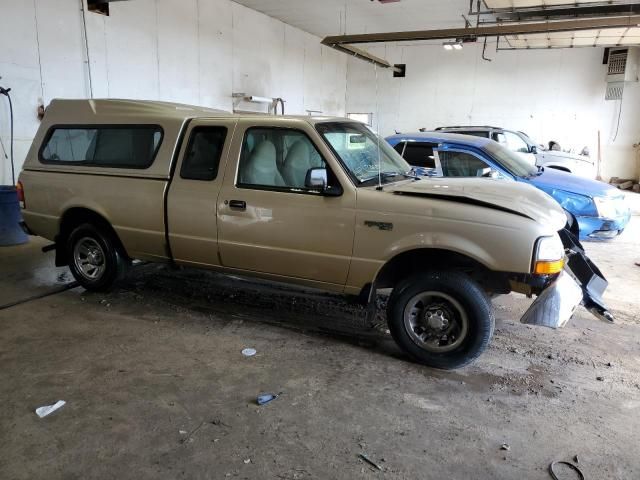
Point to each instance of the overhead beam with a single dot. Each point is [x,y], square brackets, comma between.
[482,31]
[363,55]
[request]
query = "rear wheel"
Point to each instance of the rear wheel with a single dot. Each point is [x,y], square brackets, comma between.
[95,260]
[441,319]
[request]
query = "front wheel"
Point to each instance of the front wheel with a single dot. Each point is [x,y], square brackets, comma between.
[94,258]
[441,319]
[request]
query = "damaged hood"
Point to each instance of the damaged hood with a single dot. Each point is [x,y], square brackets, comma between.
[550,179]
[515,197]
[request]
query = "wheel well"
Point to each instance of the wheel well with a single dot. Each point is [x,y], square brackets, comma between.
[564,169]
[75,217]
[415,261]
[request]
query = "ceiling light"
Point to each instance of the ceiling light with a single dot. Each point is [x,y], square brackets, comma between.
[457,45]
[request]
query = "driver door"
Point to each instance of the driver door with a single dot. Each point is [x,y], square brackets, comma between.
[269,222]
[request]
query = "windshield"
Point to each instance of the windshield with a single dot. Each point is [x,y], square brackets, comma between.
[357,147]
[511,161]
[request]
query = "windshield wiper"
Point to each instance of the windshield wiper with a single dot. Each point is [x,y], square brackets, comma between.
[386,175]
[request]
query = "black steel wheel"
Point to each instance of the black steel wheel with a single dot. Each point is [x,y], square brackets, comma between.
[441,319]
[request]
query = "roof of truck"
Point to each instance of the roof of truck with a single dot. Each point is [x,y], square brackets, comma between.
[138,109]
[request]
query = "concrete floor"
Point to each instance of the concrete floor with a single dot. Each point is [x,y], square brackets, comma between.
[156,386]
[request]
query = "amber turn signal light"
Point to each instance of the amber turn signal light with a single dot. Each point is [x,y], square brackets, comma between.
[548,268]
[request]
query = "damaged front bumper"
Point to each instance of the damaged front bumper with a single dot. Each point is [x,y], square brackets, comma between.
[581,283]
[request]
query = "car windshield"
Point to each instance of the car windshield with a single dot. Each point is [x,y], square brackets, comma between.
[509,160]
[368,158]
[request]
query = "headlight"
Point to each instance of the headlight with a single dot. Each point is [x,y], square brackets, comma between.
[549,256]
[575,203]
[606,207]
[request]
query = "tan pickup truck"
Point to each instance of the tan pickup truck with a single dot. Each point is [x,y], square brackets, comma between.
[315,201]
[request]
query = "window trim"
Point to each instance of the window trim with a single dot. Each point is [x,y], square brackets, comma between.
[404,147]
[192,135]
[118,126]
[284,189]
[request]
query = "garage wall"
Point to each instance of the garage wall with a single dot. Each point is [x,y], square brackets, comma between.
[190,51]
[550,94]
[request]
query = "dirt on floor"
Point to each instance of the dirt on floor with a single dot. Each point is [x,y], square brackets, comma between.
[157,387]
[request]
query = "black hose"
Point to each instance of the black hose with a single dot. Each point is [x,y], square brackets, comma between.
[13,167]
[5,91]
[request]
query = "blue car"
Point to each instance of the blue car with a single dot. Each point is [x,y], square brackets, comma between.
[600,209]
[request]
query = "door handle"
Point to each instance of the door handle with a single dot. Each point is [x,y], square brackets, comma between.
[238,204]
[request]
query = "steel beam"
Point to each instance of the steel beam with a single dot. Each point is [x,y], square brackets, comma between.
[482,31]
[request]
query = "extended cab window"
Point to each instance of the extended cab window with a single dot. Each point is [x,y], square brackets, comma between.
[462,164]
[277,157]
[420,154]
[202,158]
[102,146]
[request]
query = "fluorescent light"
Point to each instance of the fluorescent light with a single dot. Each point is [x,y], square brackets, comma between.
[457,45]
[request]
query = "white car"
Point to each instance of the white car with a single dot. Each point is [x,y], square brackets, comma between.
[533,153]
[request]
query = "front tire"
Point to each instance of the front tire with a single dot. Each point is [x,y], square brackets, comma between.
[95,260]
[441,319]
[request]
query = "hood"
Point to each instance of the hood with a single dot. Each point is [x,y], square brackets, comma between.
[551,179]
[551,154]
[505,195]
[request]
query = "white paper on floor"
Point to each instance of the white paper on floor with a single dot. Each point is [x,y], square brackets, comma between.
[47,409]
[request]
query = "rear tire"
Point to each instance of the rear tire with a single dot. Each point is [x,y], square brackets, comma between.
[441,319]
[95,259]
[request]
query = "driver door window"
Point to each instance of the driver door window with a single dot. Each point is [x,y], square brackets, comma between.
[419,154]
[277,158]
[463,164]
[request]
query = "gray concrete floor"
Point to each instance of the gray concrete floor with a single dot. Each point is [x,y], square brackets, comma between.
[156,386]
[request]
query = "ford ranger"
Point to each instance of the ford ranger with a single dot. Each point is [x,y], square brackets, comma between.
[314,201]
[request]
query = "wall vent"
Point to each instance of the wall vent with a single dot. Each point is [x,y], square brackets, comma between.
[617,62]
[614,91]
[622,68]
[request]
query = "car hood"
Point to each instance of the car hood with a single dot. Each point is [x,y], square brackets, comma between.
[504,195]
[551,179]
[551,154]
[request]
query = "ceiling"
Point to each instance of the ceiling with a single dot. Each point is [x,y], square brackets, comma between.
[326,17]
[585,38]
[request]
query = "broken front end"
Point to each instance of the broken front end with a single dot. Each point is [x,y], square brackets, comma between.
[579,283]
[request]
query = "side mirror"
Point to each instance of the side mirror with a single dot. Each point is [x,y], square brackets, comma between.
[533,149]
[316,179]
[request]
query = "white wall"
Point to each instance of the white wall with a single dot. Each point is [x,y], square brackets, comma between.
[190,51]
[550,94]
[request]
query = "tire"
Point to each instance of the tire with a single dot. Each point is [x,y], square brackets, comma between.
[89,246]
[441,319]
